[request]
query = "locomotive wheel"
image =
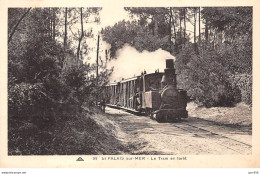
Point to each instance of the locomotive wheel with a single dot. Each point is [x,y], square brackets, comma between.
[160,120]
[148,112]
[176,119]
[151,116]
[157,118]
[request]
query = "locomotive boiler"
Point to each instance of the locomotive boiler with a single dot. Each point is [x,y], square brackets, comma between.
[155,94]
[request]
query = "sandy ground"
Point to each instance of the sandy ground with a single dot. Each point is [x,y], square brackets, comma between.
[191,136]
[240,115]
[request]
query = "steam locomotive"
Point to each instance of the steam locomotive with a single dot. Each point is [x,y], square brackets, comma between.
[155,94]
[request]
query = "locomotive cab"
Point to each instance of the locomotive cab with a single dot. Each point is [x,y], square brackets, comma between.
[150,96]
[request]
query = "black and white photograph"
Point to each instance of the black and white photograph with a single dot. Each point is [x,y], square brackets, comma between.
[130,83]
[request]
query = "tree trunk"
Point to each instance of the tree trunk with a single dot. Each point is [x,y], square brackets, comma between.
[155,26]
[53,23]
[17,24]
[180,26]
[170,30]
[195,21]
[65,35]
[170,27]
[49,24]
[82,34]
[97,57]
[184,17]
[175,34]
[199,29]
[206,32]
[214,37]
[210,33]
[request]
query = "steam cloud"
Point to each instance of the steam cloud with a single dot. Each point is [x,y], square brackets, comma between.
[129,62]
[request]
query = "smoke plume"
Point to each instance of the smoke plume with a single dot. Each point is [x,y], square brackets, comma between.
[129,62]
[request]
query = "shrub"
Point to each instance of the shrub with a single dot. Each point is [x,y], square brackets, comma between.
[206,79]
[244,82]
[24,98]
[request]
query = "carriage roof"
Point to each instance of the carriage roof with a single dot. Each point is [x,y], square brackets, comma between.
[133,78]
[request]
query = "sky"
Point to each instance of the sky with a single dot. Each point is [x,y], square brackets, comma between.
[109,15]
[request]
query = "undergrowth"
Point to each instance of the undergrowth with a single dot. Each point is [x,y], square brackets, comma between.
[72,135]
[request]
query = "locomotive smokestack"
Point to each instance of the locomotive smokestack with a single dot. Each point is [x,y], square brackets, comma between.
[170,76]
[169,63]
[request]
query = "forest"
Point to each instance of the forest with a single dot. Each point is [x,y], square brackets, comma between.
[49,85]
[214,64]
[51,80]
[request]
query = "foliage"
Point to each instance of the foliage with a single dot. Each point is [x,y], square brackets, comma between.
[237,56]
[244,82]
[121,33]
[206,79]
[207,68]
[232,20]
[133,34]
[23,97]
[39,84]
[76,136]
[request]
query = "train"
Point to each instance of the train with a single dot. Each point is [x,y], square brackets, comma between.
[154,94]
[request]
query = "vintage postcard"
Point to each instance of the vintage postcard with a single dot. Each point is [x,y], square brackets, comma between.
[129,84]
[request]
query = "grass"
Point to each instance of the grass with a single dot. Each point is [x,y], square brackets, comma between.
[85,133]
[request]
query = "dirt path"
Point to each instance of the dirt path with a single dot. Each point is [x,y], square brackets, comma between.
[190,137]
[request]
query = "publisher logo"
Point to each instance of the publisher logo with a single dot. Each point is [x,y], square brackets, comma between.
[80,159]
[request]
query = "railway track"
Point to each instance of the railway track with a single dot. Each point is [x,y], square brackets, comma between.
[189,136]
[236,146]
[222,140]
